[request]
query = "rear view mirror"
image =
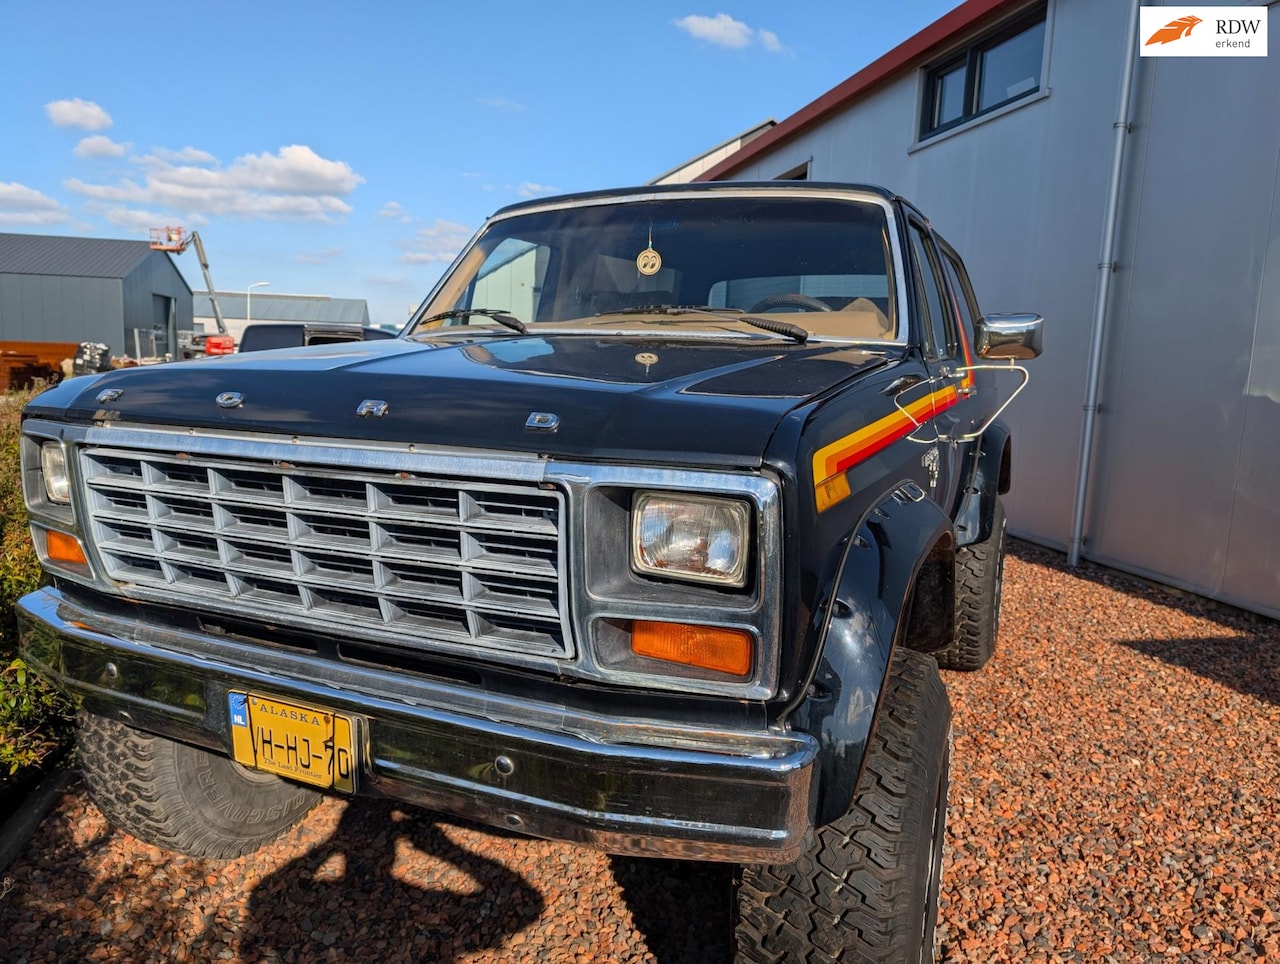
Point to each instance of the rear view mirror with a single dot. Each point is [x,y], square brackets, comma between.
[1010,336]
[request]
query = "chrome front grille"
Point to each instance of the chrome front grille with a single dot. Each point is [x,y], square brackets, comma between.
[382,556]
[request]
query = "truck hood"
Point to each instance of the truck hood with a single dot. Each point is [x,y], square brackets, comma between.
[630,397]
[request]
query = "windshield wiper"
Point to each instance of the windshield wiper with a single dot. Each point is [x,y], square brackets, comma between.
[497,314]
[775,325]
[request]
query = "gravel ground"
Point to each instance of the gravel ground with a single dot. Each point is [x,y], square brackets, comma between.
[1114,798]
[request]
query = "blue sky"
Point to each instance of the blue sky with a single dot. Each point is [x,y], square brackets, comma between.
[350,149]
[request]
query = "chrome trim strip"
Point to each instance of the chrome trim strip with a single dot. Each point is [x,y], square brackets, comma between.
[468,566]
[623,785]
[580,604]
[353,453]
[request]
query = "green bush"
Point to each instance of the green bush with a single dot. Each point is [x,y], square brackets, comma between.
[34,718]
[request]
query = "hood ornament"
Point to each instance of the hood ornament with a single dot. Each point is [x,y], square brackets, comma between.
[372,406]
[110,395]
[542,422]
[230,400]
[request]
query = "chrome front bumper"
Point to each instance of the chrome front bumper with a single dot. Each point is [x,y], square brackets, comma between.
[628,786]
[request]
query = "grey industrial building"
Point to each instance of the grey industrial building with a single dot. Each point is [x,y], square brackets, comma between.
[237,306]
[120,293]
[1133,202]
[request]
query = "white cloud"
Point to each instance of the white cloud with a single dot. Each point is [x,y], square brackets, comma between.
[188,155]
[394,209]
[99,145]
[24,205]
[529,189]
[134,219]
[77,113]
[440,242]
[295,169]
[295,183]
[769,40]
[723,31]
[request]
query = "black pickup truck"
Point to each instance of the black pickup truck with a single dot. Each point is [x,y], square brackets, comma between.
[649,532]
[266,336]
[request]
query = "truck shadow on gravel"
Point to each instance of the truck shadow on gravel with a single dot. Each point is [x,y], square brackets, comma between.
[1247,661]
[681,907]
[342,897]
[1249,665]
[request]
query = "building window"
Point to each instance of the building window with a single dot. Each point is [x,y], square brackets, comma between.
[995,70]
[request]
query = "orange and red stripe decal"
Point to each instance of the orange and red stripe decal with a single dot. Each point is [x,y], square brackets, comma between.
[834,459]
[845,452]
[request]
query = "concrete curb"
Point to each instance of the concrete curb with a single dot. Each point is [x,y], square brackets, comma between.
[19,828]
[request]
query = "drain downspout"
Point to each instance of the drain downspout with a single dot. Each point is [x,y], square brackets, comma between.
[1106,267]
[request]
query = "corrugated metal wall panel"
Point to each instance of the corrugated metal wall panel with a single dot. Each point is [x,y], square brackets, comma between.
[156,276]
[1182,328]
[70,257]
[275,307]
[48,308]
[1252,571]
[69,289]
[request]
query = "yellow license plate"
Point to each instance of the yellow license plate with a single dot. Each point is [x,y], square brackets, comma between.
[305,743]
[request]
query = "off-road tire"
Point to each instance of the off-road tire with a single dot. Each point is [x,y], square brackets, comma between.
[183,798]
[867,888]
[979,585]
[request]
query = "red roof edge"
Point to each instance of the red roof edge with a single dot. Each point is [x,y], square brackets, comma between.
[907,53]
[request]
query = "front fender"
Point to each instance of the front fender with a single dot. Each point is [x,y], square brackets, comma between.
[988,478]
[865,618]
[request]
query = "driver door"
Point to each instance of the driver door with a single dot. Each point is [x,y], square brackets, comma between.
[944,353]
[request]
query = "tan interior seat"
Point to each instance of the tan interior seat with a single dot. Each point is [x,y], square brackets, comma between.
[860,318]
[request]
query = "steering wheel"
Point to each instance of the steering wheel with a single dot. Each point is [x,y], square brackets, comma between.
[790,300]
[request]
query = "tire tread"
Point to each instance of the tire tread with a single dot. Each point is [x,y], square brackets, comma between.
[843,899]
[977,615]
[134,779]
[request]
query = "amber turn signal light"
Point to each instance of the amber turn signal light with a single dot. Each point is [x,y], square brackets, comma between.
[63,548]
[709,647]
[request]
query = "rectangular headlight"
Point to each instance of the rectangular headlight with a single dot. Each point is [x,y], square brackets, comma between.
[698,538]
[53,468]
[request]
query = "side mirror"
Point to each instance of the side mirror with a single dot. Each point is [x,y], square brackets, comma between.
[1010,336]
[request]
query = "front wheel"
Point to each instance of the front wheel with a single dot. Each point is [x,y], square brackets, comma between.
[183,798]
[867,888]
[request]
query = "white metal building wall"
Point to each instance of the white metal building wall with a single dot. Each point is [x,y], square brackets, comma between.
[1186,444]
[1188,447]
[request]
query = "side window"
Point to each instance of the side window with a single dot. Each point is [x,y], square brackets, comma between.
[994,70]
[940,326]
[963,292]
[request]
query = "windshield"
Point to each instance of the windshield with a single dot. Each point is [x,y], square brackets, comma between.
[820,263]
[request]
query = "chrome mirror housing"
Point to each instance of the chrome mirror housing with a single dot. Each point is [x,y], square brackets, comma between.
[1018,336]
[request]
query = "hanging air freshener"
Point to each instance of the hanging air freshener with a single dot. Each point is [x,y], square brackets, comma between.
[648,261]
